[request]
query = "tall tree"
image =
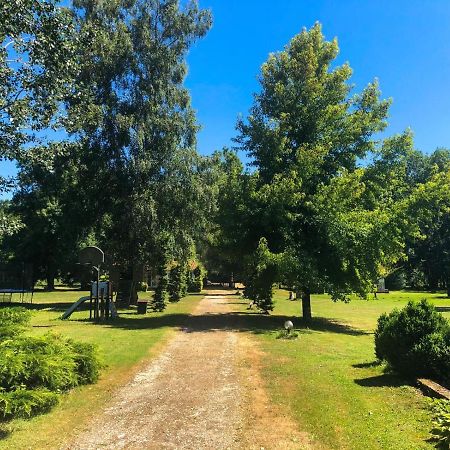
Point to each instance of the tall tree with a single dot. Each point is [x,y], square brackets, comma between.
[141,178]
[37,44]
[305,135]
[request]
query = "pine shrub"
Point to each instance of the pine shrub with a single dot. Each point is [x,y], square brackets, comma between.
[177,284]
[50,362]
[196,281]
[161,292]
[22,402]
[13,321]
[262,275]
[34,370]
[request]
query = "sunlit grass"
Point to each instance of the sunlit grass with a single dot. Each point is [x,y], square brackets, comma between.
[327,380]
[123,344]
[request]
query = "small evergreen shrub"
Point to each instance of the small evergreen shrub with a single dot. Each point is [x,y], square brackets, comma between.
[415,341]
[161,292]
[196,281]
[34,370]
[25,403]
[178,283]
[87,362]
[13,321]
[441,422]
[261,277]
[50,362]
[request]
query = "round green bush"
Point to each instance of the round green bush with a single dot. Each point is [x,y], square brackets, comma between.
[415,341]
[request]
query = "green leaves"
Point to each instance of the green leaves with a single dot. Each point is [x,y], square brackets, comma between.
[441,422]
[319,211]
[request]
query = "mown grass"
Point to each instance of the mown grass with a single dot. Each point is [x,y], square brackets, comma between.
[124,344]
[328,380]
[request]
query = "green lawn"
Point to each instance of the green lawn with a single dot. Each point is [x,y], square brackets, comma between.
[123,344]
[326,380]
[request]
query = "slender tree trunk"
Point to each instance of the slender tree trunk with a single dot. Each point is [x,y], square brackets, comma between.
[50,281]
[306,305]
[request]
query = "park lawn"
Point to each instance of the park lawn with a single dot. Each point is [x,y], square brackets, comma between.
[124,344]
[327,380]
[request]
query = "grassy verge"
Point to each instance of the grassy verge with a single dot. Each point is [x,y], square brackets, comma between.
[124,345]
[327,378]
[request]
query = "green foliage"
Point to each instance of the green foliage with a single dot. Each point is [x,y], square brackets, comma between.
[12,321]
[396,281]
[305,134]
[415,341]
[36,68]
[441,422]
[428,254]
[177,283]
[262,275]
[50,362]
[87,362]
[195,283]
[22,402]
[161,296]
[150,180]
[284,334]
[34,369]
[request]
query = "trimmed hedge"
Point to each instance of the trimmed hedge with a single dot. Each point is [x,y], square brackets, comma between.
[415,341]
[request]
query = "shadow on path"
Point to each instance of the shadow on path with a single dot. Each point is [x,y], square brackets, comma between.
[232,321]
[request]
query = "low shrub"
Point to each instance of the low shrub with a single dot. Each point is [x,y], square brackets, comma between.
[34,370]
[284,334]
[25,403]
[13,321]
[50,362]
[415,341]
[86,361]
[441,422]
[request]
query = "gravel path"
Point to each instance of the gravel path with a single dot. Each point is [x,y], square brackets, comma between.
[195,395]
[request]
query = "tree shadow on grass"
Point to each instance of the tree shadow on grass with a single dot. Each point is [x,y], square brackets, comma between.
[384,380]
[367,365]
[249,321]
[55,306]
[4,432]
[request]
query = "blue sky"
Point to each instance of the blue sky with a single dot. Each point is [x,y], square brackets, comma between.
[405,44]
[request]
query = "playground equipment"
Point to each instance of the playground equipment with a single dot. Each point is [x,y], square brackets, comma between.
[101,304]
[16,282]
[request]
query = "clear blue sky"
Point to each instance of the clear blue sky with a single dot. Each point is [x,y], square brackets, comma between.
[404,43]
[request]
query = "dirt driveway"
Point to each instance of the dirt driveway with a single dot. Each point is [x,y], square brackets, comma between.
[204,391]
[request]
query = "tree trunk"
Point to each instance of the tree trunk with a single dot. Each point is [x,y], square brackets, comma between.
[306,305]
[50,282]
